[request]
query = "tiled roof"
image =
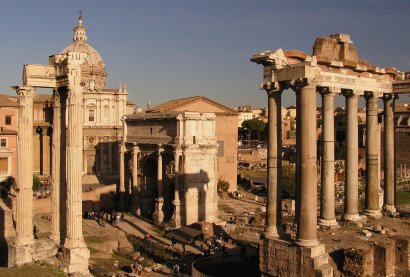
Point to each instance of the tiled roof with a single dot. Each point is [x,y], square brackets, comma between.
[5,101]
[177,103]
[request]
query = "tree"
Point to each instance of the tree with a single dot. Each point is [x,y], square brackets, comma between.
[255,126]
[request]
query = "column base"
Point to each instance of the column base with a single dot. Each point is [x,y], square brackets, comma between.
[55,237]
[327,222]
[376,214]
[271,232]
[352,217]
[76,260]
[19,254]
[280,257]
[390,209]
[158,215]
[176,217]
[307,242]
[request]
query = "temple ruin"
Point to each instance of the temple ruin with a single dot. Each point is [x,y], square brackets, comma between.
[333,68]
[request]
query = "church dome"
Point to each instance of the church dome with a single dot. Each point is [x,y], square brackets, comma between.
[93,74]
[80,44]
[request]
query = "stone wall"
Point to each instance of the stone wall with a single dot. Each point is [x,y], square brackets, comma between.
[283,258]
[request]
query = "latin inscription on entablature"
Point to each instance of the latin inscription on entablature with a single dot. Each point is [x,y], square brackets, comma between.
[353,82]
[401,87]
[36,75]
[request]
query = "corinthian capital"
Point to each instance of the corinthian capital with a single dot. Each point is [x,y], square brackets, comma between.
[25,95]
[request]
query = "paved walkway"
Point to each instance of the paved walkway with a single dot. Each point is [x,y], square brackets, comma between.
[139,227]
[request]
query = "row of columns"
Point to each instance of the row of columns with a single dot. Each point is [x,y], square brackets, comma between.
[306,169]
[136,189]
[68,233]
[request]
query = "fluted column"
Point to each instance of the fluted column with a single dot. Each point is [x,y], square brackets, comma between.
[327,196]
[136,188]
[159,202]
[372,156]
[274,195]
[55,173]
[176,217]
[307,225]
[109,155]
[389,204]
[101,155]
[24,201]
[122,150]
[297,158]
[74,234]
[351,211]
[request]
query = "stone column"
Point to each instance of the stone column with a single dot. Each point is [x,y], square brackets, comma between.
[55,173]
[307,225]
[75,251]
[176,217]
[297,165]
[136,188]
[101,155]
[24,201]
[274,196]
[122,176]
[389,168]
[327,197]
[109,155]
[372,156]
[159,202]
[84,162]
[351,211]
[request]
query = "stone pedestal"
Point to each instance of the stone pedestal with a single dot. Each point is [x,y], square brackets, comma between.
[279,257]
[158,215]
[19,255]
[76,260]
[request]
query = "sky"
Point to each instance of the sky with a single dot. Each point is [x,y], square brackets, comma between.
[167,49]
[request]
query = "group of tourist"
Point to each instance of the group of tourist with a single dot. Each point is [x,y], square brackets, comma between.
[103,216]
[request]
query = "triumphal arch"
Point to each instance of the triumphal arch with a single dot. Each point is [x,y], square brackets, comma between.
[68,74]
[333,68]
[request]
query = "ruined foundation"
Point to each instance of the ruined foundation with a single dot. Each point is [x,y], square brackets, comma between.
[279,257]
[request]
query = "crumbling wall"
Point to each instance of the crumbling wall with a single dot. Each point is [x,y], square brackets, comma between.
[384,258]
[358,262]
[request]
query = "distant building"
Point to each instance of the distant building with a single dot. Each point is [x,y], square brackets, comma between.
[8,137]
[226,131]
[102,124]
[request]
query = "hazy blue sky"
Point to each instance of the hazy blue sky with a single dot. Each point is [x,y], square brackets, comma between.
[168,49]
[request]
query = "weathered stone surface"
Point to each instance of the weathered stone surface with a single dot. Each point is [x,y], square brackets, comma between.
[358,262]
[283,258]
[384,258]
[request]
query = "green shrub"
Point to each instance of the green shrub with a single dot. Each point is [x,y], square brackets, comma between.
[222,185]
